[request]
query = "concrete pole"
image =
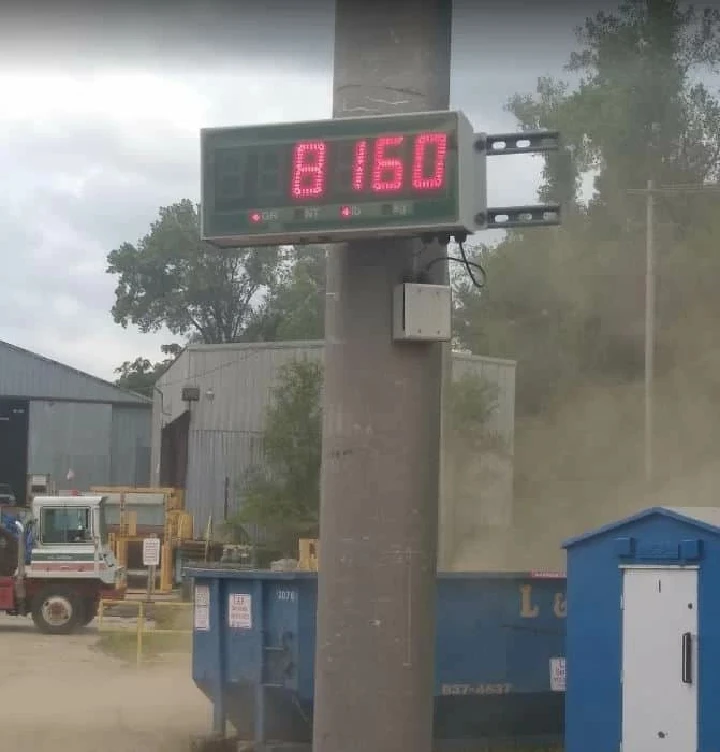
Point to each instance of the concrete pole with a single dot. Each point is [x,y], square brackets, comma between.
[381,433]
[649,328]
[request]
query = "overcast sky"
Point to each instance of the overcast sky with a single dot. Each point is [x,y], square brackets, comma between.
[100,127]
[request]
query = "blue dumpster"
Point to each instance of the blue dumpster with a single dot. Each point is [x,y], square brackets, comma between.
[499,655]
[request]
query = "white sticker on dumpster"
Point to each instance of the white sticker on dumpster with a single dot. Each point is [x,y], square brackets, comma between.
[557,674]
[201,610]
[240,611]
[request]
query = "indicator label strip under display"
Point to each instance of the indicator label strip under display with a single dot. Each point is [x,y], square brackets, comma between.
[348,212]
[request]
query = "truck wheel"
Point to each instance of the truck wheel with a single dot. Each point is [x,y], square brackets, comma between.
[57,610]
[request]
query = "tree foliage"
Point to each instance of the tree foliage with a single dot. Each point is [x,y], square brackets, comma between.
[283,496]
[469,405]
[294,307]
[568,303]
[140,375]
[171,278]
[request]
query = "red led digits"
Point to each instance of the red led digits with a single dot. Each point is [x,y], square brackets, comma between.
[387,173]
[359,167]
[308,169]
[434,141]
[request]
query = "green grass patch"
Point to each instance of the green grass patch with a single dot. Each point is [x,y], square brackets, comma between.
[123,645]
[170,617]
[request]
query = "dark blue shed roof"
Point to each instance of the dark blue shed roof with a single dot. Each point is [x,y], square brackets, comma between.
[704,518]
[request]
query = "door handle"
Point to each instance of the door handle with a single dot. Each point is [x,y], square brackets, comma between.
[687,658]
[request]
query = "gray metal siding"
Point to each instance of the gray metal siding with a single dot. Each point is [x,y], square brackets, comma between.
[238,376]
[130,446]
[166,407]
[226,425]
[167,402]
[241,379]
[68,435]
[26,374]
[213,456]
[502,374]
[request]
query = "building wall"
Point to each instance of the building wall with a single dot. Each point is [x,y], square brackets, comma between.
[70,435]
[501,373]
[167,406]
[226,424]
[130,445]
[476,499]
[102,444]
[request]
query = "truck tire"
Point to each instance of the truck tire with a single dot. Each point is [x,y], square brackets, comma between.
[57,610]
[90,611]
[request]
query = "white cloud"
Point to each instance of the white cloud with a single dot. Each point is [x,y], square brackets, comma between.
[88,158]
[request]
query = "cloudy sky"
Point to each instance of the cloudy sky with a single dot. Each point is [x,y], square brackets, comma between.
[100,127]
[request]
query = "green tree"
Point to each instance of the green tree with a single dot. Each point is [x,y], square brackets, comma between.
[568,302]
[638,110]
[140,375]
[170,278]
[294,307]
[283,496]
[470,403]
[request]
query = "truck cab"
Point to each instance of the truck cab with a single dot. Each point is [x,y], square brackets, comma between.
[64,564]
[68,535]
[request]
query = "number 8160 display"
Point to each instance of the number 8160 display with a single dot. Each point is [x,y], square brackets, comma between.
[390,165]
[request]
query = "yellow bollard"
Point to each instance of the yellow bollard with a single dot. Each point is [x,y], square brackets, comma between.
[101,613]
[140,629]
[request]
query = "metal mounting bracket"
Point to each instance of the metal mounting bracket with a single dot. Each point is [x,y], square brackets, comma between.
[538,215]
[504,144]
[522,142]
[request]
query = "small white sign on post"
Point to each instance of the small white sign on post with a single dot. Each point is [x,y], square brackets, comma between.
[557,674]
[201,610]
[240,611]
[151,552]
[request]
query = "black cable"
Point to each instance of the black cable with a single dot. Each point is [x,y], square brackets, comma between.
[469,265]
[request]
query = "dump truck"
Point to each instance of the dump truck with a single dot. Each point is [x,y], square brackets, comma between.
[55,562]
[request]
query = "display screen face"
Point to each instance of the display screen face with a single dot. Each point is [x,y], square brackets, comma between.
[320,180]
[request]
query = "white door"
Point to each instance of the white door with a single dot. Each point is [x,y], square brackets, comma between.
[659,660]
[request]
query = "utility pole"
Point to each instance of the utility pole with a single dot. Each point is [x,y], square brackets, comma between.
[651,191]
[381,436]
[649,327]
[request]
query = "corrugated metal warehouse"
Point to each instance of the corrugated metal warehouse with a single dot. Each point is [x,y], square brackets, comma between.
[207,446]
[54,419]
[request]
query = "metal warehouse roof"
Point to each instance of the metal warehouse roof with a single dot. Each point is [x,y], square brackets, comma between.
[27,375]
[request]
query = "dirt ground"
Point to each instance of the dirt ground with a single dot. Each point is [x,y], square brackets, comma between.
[60,694]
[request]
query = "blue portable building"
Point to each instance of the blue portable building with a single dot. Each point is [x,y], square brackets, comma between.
[643,634]
[499,641]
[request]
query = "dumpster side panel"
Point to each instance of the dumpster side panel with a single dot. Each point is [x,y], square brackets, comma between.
[308,630]
[208,664]
[497,640]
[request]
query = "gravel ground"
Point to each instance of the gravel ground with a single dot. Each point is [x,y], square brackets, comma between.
[60,694]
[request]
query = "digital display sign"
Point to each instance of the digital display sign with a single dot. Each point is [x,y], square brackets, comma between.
[333,180]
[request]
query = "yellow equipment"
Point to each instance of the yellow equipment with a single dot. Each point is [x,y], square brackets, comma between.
[308,554]
[177,526]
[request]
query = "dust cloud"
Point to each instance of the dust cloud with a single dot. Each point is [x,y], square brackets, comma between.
[581,465]
[59,694]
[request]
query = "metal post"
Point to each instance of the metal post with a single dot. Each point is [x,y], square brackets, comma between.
[649,328]
[381,433]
